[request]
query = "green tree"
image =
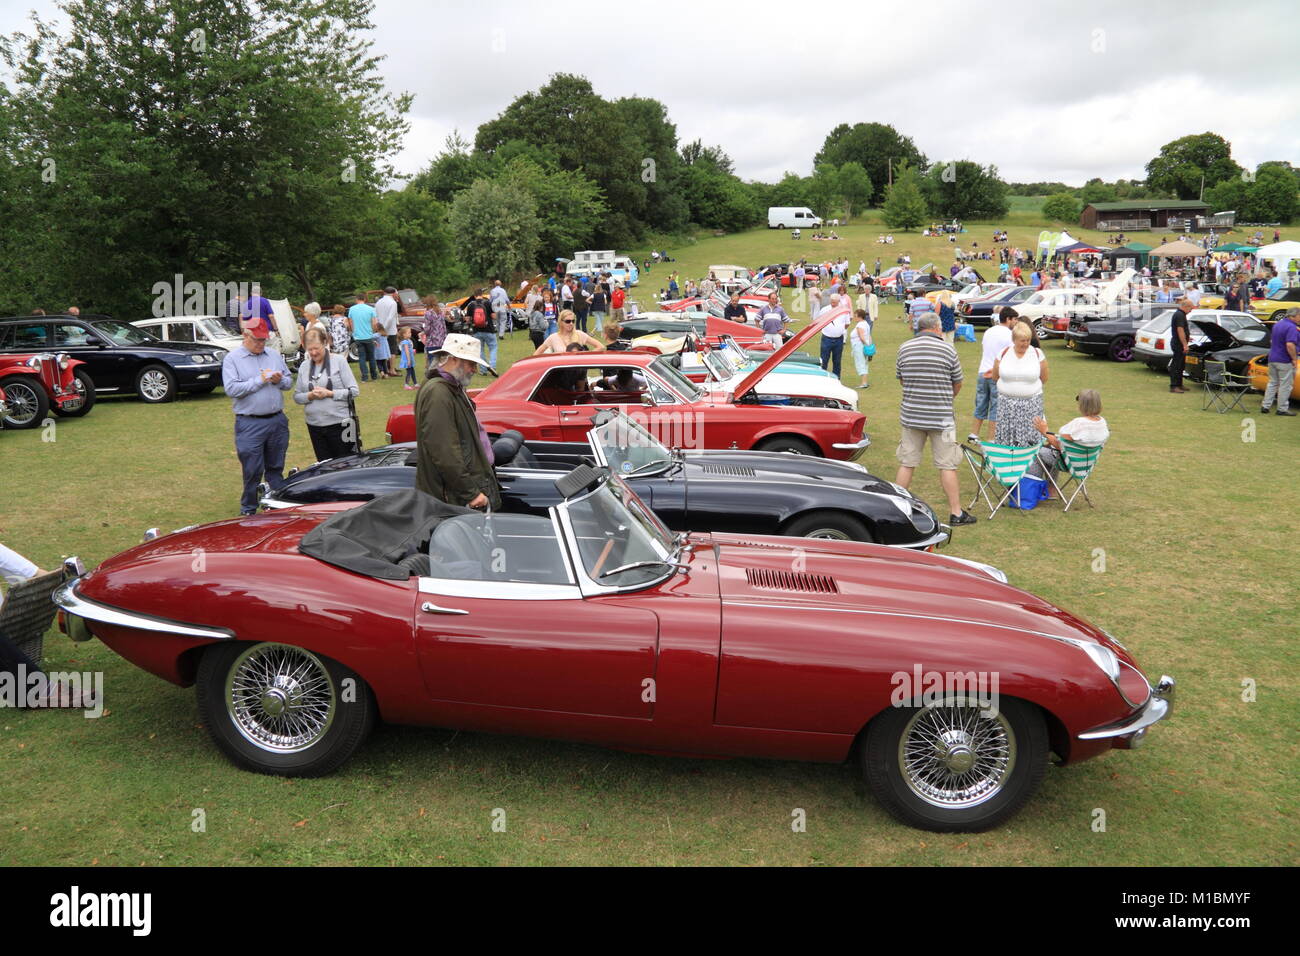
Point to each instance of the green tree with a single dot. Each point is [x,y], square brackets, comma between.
[450,171]
[223,141]
[646,120]
[965,190]
[1183,164]
[413,244]
[1273,195]
[873,146]
[854,187]
[905,206]
[1095,191]
[1062,207]
[792,190]
[585,134]
[717,200]
[568,204]
[823,189]
[496,228]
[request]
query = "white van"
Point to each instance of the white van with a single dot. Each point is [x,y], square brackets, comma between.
[591,262]
[791,217]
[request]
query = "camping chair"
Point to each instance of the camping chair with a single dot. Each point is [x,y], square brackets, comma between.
[1220,385]
[1077,462]
[997,465]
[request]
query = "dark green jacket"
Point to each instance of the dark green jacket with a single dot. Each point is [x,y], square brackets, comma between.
[452,465]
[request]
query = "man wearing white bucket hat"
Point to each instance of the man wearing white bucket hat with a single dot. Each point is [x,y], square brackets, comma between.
[454,457]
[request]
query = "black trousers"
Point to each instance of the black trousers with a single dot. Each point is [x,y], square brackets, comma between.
[1176,366]
[327,441]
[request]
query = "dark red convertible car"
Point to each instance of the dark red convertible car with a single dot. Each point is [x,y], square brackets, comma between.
[552,398]
[594,622]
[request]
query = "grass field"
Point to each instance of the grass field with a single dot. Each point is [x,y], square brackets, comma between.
[1195,522]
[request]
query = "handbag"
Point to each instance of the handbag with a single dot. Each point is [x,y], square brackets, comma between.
[869,349]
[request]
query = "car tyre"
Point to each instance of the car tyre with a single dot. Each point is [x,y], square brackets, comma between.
[790,443]
[86,386]
[829,525]
[1006,756]
[155,384]
[1121,348]
[27,401]
[282,710]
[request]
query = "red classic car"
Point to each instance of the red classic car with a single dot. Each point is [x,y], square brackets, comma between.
[552,398]
[36,384]
[595,623]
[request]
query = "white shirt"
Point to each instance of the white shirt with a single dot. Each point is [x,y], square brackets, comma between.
[1085,431]
[836,328]
[386,314]
[997,338]
[1019,377]
[1193,294]
[14,567]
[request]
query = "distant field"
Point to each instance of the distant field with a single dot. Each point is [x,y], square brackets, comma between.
[1185,558]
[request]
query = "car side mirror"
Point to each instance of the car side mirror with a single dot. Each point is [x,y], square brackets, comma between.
[647,400]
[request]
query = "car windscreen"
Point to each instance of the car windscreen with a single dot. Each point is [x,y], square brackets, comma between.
[1160,323]
[119,333]
[628,449]
[680,383]
[620,544]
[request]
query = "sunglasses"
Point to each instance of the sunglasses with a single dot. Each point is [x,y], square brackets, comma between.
[567,322]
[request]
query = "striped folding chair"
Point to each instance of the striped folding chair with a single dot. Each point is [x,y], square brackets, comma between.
[997,469]
[1078,461]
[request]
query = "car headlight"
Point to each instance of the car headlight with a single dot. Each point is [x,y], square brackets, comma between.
[988,569]
[1100,654]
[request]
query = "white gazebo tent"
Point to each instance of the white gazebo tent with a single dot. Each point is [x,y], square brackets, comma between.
[1282,256]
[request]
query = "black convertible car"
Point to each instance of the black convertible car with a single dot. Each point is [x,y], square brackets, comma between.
[980,311]
[727,491]
[1233,349]
[1113,338]
[118,356]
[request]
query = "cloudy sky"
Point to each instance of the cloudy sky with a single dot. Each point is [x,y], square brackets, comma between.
[1048,91]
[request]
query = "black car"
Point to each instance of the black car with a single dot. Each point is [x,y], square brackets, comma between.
[727,491]
[980,312]
[1233,349]
[120,358]
[1113,338]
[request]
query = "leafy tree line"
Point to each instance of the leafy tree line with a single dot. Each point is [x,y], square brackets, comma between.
[221,140]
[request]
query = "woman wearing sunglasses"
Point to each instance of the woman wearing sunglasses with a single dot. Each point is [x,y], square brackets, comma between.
[568,335]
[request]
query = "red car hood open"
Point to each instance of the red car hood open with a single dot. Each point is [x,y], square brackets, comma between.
[799,338]
[715,327]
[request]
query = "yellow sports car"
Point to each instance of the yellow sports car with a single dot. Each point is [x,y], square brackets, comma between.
[1257,372]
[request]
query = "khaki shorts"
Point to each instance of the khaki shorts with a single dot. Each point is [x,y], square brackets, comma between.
[943,445]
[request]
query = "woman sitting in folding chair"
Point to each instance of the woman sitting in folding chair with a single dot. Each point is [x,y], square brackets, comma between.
[1075,449]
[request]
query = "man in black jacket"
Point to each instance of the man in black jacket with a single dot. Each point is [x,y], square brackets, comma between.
[453,455]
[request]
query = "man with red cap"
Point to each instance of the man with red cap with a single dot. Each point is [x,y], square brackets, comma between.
[257,380]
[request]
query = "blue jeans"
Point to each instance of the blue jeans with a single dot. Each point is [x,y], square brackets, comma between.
[986,399]
[489,340]
[503,322]
[597,321]
[366,359]
[832,353]
[552,327]
[261,444]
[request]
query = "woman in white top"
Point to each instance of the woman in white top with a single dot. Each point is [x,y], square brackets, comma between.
[311,312]
[1088,429]
[1021,372]
[567,335]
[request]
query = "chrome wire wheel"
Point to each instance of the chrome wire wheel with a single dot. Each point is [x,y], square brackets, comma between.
[829,534]
[280,698]
[952,756]
[154,384]
[24,405]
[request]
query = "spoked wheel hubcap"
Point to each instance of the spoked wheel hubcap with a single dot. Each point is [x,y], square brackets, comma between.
[281,698]
[830,534]
[952,756]
[23,403]
[154,385]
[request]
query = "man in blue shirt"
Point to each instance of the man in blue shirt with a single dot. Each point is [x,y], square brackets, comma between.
[363,333]
[1283,360]
[500,302]
[256,379]
[258,306]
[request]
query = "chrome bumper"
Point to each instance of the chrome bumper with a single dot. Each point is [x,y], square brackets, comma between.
[78,610]
[271,503]
[937,540]
[853,445]
[1131,730]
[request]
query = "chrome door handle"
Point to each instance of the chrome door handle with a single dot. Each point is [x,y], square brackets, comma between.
[568,411]
[430,608]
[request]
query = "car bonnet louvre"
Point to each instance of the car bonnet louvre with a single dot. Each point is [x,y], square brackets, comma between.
[775,580]
[734,471]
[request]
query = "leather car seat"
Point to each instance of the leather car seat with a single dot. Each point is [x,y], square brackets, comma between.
[460,540]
